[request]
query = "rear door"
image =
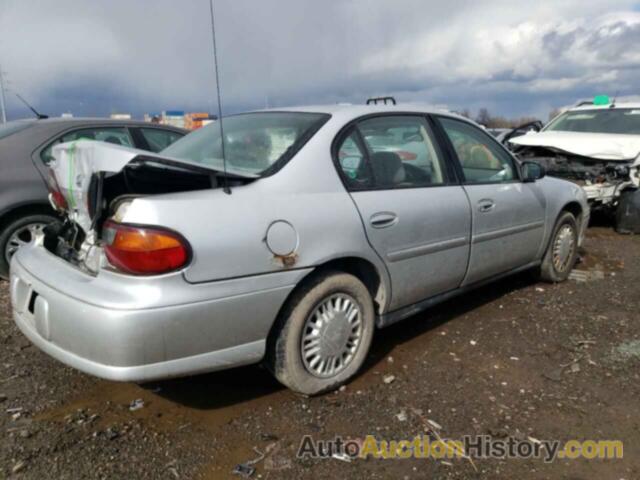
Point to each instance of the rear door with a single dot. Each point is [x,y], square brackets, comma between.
[415,217]
[508,215]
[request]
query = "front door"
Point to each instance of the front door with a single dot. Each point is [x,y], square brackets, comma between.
[508,215]
[416,220]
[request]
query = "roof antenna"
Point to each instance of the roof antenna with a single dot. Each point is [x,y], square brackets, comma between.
[613,102]
[226,188]
[38,114]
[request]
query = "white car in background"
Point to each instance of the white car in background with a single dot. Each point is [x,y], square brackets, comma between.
[596,145]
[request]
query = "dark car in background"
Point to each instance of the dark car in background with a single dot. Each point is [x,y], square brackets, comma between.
[25,150]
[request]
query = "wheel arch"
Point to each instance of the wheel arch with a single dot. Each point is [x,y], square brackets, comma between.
[23,209]
[574,208]
[359,267]
[9,216]
[363,270]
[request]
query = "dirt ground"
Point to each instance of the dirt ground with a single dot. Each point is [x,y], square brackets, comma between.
[514,359]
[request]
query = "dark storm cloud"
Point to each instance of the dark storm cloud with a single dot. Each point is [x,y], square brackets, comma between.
[98,57]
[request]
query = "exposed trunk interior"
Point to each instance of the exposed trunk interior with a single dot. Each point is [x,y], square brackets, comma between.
[142,178]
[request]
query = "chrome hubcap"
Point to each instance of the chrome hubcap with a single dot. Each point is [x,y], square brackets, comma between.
[25,235]
[563,248]
[331,335]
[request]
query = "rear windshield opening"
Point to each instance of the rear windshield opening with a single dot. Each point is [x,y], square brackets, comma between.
[255,144]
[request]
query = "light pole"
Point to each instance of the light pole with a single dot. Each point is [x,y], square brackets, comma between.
[3,112]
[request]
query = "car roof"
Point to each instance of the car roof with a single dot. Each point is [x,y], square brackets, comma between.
[79,121]
[39,132]
[347,112]
[606,107]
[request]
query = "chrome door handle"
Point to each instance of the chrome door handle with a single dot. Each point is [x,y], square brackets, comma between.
[383,219]
[486,205]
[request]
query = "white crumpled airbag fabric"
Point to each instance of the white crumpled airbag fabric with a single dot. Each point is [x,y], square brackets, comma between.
[73,166]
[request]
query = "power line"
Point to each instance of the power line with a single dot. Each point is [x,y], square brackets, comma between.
[3,111]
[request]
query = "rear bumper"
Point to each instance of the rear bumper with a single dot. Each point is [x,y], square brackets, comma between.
[138,329]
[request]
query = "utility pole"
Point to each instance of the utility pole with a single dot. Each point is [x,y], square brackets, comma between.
[3,111]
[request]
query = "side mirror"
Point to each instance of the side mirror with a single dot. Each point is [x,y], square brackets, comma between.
[532,171]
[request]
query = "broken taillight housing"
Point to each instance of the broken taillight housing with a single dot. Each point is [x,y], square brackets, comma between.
[143,250]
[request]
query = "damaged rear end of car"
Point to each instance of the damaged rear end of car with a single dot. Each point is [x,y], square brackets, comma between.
[92,186]
[149,270]
[109,296]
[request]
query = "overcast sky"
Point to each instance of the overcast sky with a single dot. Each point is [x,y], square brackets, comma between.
[513,57]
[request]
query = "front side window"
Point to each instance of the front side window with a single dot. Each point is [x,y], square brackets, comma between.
[254,143]
[115,136]
[158,139]
[481,158]
[400,153]
[606,120]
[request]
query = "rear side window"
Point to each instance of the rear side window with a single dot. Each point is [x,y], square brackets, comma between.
[481,158]
[391,152]
[115,136]
[159,139]
[255,144]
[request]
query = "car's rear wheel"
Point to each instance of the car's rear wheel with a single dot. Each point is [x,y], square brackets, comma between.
[18,233]
[324,334]
[562,251]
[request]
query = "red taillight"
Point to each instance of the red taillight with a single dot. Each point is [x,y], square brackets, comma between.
[57,198]
[144,251]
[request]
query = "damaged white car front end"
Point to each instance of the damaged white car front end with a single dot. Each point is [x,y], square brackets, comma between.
[597,146]
[603,164]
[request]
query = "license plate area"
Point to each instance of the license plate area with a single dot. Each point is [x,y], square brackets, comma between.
[32,307]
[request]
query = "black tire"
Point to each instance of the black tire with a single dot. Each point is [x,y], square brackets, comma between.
[627,214]
[552,269]
[285,358]
[13,226]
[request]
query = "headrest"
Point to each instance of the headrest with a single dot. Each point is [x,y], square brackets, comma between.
[388,169]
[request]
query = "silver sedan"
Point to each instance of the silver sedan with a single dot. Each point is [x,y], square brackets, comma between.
[289,242]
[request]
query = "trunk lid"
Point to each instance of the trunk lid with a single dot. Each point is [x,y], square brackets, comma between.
[80,168]
[93,176]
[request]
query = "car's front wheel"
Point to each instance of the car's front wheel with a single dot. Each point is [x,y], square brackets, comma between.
[324,334]
[562,251]
[18,233]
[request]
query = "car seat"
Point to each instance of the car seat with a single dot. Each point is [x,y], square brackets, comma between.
[388,169]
